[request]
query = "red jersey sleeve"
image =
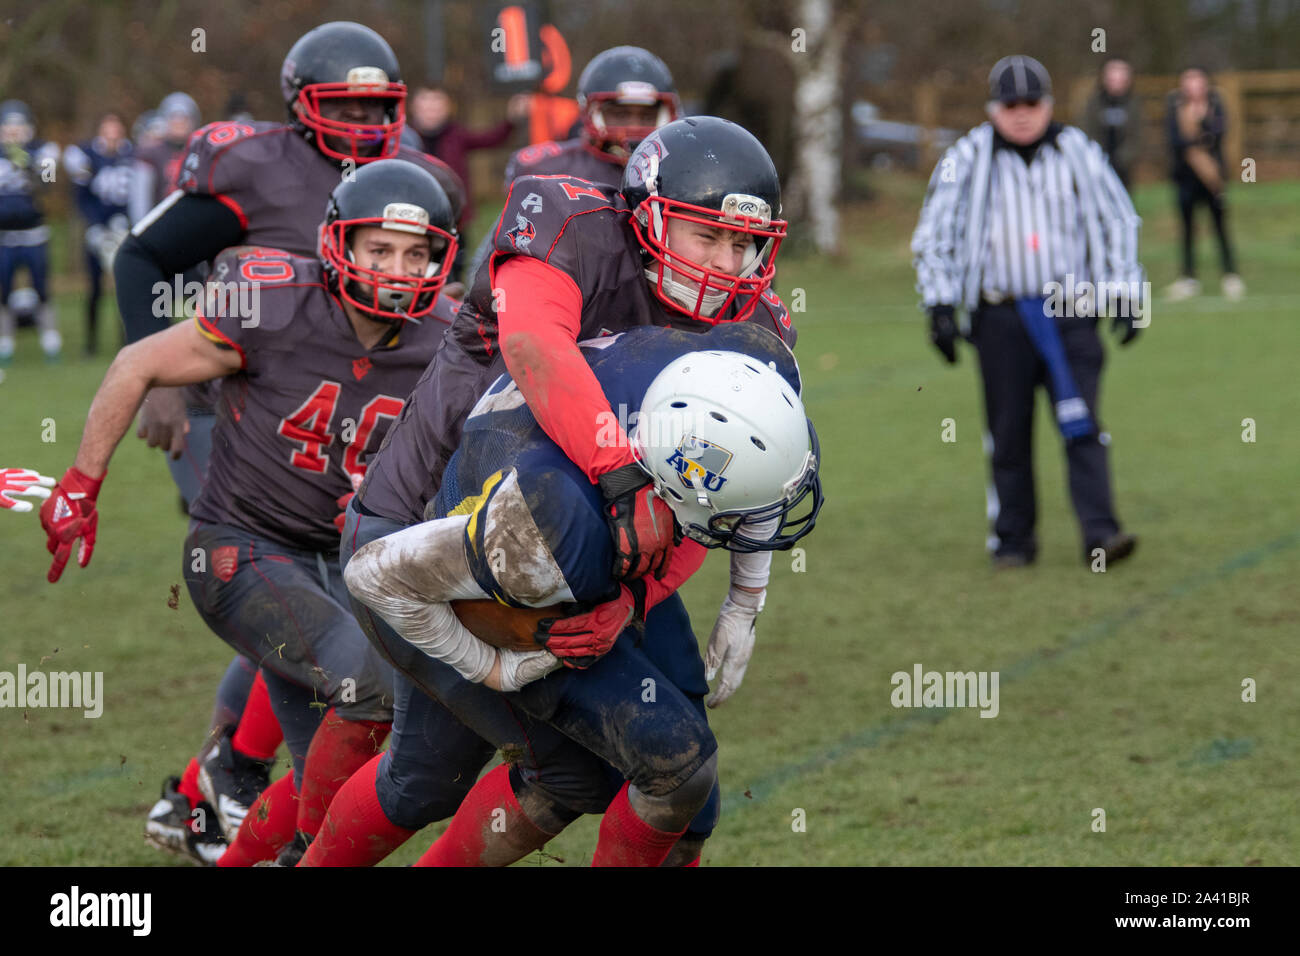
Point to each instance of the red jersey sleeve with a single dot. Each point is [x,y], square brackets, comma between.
[540,315]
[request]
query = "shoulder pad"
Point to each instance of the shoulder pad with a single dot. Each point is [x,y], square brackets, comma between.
[539,208]
[207,146]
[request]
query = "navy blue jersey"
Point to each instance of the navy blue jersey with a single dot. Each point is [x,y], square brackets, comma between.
[502,434]
[101,180]
[23,173]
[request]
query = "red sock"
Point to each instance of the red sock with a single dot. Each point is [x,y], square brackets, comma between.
[268,826]
[627,840]
[258,734]
[356,831]
[190,783]
[479,835]
[339,748]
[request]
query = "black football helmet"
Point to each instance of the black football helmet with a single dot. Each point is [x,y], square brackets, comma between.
[708,171]
[626,76]
[397,195]
[345,61]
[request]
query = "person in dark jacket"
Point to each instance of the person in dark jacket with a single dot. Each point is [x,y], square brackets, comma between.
[1195,124]
[432,116]
[1113,117]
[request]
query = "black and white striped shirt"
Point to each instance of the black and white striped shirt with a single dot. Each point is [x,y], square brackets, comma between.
[996,225]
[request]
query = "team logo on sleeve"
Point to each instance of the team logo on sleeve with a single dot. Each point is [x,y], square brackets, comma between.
[522,234]
[224,561]
[702,459]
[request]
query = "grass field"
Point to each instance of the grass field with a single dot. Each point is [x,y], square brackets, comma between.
[1120,691]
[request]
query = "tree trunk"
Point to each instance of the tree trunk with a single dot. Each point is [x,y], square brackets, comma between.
[815,188]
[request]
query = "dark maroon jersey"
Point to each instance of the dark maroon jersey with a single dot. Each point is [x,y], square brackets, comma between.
[310,402]
[573,157]
[276,182]
[576,226]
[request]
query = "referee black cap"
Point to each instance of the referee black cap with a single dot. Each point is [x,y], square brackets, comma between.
[1015,78]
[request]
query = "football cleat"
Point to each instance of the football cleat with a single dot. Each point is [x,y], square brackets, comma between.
[172,826]
[231,782]
[291,853]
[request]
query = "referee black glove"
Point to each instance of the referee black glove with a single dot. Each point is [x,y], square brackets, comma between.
[1122,325]
[943,331]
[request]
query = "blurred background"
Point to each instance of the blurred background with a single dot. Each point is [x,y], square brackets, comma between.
[902,78]
[1120,690]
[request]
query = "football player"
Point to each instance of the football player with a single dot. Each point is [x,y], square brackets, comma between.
[314,356]
[689,241]
[264,184]
[624,94]
[26,167]
[102,170]
[721,431]
[158,161]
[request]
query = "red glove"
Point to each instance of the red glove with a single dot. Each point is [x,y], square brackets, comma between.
[342,502]
[69,515]
[22,481]
[642,523]
[342,516]
[582,639]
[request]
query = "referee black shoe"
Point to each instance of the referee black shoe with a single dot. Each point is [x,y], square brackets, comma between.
[1117,547]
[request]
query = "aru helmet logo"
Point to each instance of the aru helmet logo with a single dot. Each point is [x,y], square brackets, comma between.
[523,233]
[702,459]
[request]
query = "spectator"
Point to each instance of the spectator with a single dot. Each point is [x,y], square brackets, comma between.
[1195,123]
[101,169]
[432,116]
[1113,117]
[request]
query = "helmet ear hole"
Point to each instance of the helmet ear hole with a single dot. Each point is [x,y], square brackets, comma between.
[718,416]
[758,443]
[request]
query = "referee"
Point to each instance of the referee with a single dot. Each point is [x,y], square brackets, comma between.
[1023,219]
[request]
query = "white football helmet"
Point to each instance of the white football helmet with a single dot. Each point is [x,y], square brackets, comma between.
[726,440]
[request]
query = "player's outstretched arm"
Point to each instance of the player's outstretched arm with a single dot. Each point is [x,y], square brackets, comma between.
[178,356]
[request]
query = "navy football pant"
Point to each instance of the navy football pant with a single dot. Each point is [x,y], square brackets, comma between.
[288,611]
[34,258]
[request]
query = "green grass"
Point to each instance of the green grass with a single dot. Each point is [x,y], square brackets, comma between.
[1119,691]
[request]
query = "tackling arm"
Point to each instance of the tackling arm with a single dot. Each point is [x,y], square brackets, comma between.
[178,356]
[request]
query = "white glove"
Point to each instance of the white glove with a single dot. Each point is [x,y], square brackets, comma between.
[22,481]
[732,642]
[523,667]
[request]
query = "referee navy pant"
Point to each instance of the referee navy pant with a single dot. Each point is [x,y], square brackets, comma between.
[1012,370]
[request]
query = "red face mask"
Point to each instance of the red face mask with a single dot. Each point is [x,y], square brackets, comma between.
[694,289]
[363,142]
[384,294]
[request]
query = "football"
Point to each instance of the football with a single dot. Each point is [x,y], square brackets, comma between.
[504,626]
